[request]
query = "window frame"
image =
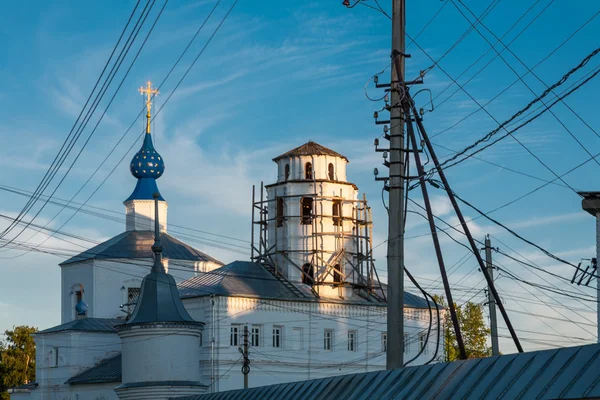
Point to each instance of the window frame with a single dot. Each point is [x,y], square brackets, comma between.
[423,342]
[352,341]
[308,171]
[306,210]
[279,211]
[310,271]
[237,335]
[277,336]
[336,212]
[255,334]
[328,340]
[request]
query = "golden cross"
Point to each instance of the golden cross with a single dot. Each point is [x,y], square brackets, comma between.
[149,92]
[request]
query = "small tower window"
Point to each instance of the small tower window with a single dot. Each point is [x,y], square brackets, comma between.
[280,216]
[331,172]
[306,205]
[308,172]
[308,274]
[336,212]
[287,171]
[337,273]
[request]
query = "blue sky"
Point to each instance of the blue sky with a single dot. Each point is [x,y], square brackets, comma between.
[276,75]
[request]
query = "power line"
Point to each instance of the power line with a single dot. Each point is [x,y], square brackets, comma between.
[517,80]
[94,107]
[489,135]
[499,40]
[49,172]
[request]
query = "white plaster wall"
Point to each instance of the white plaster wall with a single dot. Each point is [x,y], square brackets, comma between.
[320,167]
[104,280]
[77,351]
[103,391]
[160,353]
[271,365]
[79,273]
[297,239]
[140,215]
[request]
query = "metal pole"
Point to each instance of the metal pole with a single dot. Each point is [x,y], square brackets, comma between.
[466,229]
[395,250]
[491,301]
[436,242]
[245,367]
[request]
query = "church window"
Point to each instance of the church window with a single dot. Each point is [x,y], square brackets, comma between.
[384,342]
[330,172]
[297,339]
[308,274]
[234,335]
[352,341]
[280,217]
[132,295]
[277,336]
[406,343]
[423,342]
[308,171]
[200,341]
[287,171]
[336,212]
[337,275]
[328,339]
[306,206]
[53,357]
[255,336]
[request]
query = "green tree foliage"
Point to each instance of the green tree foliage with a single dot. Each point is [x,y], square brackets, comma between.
[17,358]
[473,329]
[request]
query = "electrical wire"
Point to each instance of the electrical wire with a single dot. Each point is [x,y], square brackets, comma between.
[56,163]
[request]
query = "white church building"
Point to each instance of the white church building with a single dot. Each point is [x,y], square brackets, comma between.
[146,316]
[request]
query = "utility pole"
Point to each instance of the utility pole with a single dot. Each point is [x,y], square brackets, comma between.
[244,351]
[491,300]
[395,250]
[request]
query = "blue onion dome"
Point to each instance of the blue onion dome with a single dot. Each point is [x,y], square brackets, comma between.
[81,308]
[147,163]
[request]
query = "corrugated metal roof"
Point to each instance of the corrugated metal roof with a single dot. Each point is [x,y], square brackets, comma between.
[86,324]
[108,370]
[138,244]
[310,148]
[566,373]
[248,279]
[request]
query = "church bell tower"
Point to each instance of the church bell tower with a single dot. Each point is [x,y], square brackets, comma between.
[314,228]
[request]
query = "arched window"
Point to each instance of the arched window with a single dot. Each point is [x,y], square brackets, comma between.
[308,172]
[280,216]
[308,274]
[306,205]
[336,212]
[287,171]
[331,172]
[337,276]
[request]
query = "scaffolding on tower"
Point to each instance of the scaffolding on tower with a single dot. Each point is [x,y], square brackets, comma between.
[349,263]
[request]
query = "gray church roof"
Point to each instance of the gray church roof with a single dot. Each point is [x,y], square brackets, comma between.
[108,370]
[566,373]
[310,148]
[248,279]
[138,244]
[86,325]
